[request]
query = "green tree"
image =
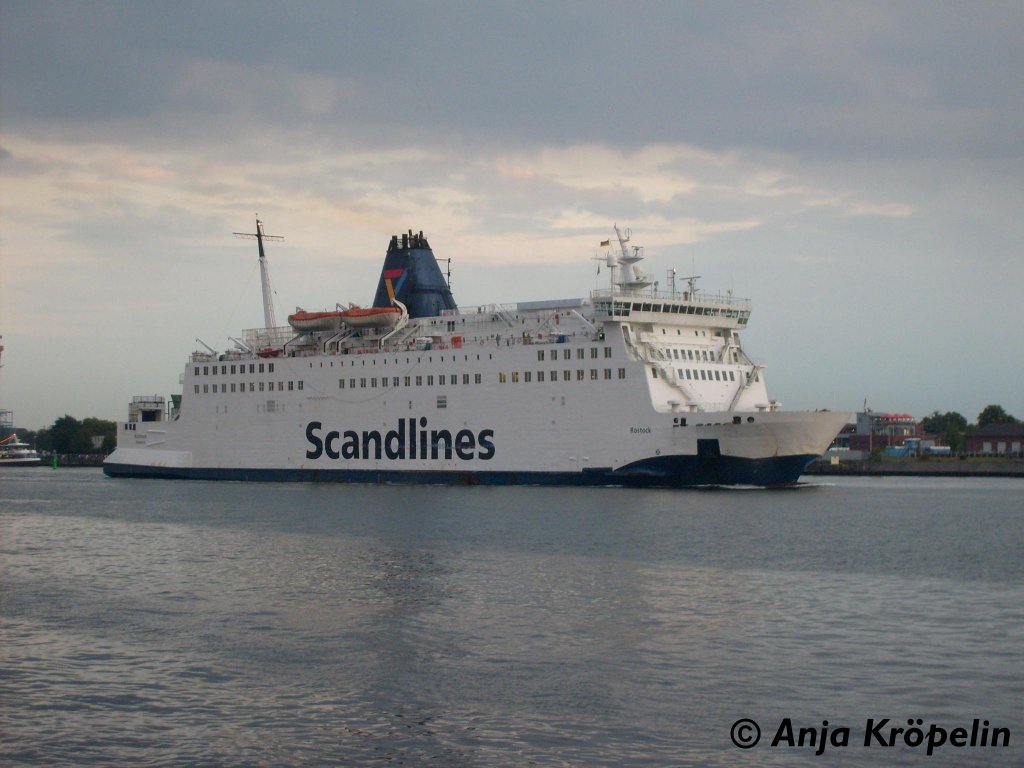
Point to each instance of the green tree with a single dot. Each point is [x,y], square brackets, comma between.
[63,435]
[69,435]
[994,414]
[44,440]
[940,423]
[101,428]
[954,438]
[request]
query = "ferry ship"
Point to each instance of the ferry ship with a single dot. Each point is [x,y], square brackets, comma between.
[15,453]
[628,386]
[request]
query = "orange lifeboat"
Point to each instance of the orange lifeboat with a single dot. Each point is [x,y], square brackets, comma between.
[371,317]
[305,322]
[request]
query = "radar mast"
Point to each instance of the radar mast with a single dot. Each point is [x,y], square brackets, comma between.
[268,298]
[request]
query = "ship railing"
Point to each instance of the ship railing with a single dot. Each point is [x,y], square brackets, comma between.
[678,297]
[262,338]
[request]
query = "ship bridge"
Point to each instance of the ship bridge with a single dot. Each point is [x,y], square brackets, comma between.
[690,308]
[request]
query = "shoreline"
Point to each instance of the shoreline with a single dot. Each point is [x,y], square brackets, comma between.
[931,467]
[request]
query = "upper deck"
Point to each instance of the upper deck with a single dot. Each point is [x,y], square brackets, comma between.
[689,308]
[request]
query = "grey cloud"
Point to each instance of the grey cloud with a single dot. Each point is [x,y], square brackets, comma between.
[869,78]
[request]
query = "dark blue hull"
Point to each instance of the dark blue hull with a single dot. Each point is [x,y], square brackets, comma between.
[655,472]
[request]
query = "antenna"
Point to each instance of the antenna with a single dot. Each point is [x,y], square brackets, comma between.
[691,281]
[268,301]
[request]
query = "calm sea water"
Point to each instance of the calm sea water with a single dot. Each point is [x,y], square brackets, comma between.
[192,623]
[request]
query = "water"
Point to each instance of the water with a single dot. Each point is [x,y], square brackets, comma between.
[189,623]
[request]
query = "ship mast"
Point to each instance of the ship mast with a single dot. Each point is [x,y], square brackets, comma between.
[631,279]
[268,299]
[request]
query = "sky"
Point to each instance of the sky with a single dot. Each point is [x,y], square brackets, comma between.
[855,169]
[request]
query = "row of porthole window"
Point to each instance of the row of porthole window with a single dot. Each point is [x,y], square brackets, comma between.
[211,370]
[689,354]
[254,386]
[705,375]
[567,353]
[566,375]
[384,382]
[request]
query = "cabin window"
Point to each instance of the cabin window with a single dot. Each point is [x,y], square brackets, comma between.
[442,401]
[579,374]
[430,381]
[478,378]
[270,367]
[197,370]
[441,380]
[540,375]
[341,383]
[261,386]
[233,369]
[607,373]
[515,377]
[232,387]
[654,372]
[465,378]
[622,373]
[593,374]
[407,380]
[593,353]
[527,376]
[197,389]
[290,386]
[419,381]
[566,375]
[607,351]
[502,377]
[566,354]
[300,385]
[580,353]
[540,355]
[362,383]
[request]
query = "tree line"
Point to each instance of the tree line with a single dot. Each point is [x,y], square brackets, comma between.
[68,435]
[954,426]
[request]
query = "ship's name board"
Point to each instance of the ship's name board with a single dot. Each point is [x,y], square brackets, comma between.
[409,440]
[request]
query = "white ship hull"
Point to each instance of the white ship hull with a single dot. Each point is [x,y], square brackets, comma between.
[605,391]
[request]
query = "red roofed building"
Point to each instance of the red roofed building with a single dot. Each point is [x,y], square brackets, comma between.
[879,430]
[997,440]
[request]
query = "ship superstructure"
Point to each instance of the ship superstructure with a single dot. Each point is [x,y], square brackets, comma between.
[627,386]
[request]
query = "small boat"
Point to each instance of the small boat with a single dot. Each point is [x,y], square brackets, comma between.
[371,317]
[14,453]
[304,322]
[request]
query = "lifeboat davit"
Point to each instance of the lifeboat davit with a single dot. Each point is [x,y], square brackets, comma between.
[371,317]
[305,322]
